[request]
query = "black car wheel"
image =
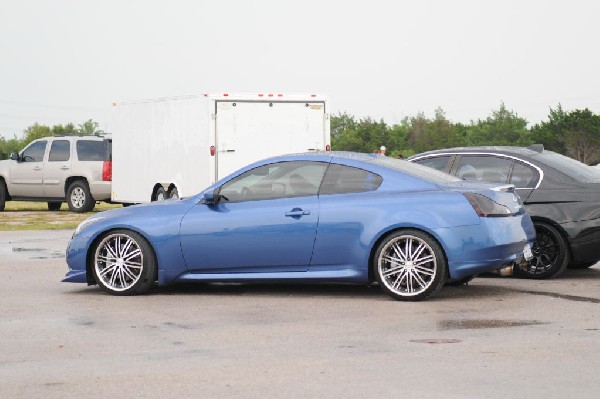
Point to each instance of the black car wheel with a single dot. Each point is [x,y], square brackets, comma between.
[160,195]
[124,263]
[173,193]
[410,265]
[550,254]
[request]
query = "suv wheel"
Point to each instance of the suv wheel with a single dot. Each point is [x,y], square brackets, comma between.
[79,197]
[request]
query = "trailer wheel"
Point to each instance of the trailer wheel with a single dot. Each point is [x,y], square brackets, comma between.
[173,193]
[160,194]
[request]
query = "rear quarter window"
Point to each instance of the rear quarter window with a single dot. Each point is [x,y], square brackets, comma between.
[93,150]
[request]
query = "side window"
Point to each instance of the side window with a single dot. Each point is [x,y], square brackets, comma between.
[523,176]
[60,151]
[487,168]
[341,179]
[35,152]
[279,180]
[91,150]
[438,163]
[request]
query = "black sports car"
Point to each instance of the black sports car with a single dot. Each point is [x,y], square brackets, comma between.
[562,196]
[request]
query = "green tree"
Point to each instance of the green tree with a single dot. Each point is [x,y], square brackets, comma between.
[551,133]
[90,127]
[503,127]
[34,132]
[7,147]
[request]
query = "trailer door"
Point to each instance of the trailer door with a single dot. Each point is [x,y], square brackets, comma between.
[247,131]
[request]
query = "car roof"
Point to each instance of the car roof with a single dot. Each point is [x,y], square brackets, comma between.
[530,151]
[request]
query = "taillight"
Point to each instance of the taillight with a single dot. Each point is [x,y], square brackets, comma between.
[485,207]
[107,171]
[327,147]
[212,150]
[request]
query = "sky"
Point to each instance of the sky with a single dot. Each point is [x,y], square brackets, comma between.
[67,61]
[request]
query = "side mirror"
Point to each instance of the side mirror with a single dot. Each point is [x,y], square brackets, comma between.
[210,198]
[15,157]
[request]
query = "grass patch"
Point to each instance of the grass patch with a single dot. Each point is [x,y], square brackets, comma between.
[19,215]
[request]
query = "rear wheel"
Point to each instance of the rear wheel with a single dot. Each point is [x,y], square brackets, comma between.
[54,206]
[79,197]
[550,254]
[410,265]
[124,263]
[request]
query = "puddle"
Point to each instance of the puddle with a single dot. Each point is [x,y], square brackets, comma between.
[575,298]
[480,324]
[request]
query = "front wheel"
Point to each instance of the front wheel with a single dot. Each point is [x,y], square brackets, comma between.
[79,197]
[550,254]
[410,265]
[124,263]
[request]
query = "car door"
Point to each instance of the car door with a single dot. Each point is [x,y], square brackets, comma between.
[26,176]
[56,168]
[266,221]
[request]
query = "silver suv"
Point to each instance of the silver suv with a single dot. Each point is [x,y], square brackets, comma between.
[75,169]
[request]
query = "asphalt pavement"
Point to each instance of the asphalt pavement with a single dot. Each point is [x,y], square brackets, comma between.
[495,338]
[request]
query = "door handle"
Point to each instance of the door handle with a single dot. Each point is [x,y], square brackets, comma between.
[297,212]
[37,168]
[64,167]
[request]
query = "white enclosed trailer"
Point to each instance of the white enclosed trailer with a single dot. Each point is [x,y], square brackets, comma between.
[178,146]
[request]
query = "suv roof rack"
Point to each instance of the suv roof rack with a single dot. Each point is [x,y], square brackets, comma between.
[79,135]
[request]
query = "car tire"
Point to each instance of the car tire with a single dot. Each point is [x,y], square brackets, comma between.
[410,265]
[124,263]
[160,194]
[79,197]
[54,206]
[550,254]
[173,193]
[3,195]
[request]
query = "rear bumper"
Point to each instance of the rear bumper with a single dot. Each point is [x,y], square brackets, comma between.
[492,244]
[100,190]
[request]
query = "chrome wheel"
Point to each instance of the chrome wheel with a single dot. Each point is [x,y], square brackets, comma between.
[78,197]
[410,265]
[118,262]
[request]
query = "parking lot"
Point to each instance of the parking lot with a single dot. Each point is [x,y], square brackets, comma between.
[496,337]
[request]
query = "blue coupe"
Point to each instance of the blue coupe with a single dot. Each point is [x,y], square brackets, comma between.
[315,217]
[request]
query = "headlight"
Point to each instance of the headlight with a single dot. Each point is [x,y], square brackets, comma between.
[87,222]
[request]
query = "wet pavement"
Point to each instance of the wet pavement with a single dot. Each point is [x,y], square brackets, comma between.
[494,338]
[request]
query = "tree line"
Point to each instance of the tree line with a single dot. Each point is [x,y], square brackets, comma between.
[573,133]
[37,131]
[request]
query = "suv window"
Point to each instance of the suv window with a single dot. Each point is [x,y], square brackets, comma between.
[60,151]
[35,152]
[278,180]
[487,168]
[92,150]
[341,179]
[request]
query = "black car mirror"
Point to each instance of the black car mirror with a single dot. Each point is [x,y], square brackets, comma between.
[15,157]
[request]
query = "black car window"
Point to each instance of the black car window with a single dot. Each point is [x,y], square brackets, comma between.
[60,151]
[438,163]
[523,176]
[278,180]
[35,152]
[341,179]
[92,150]
[486,168]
